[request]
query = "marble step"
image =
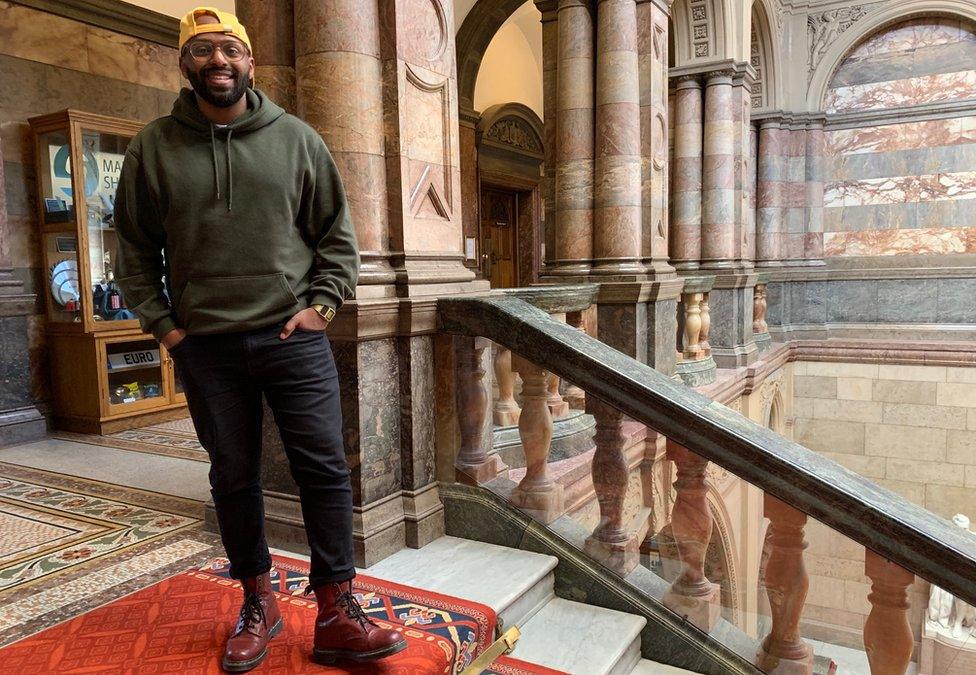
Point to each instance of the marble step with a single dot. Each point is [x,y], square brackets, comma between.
[516,584]
[581,639]
[645,667]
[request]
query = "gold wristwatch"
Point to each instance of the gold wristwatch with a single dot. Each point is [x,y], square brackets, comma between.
[326,313]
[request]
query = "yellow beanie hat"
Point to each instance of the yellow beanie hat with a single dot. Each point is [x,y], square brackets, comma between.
[227,23]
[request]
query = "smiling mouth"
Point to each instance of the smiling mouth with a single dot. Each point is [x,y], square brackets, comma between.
[219,77]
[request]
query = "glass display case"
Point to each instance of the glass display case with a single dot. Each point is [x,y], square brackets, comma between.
[79,161]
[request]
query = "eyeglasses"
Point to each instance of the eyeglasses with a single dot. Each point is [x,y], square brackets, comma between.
[202,50]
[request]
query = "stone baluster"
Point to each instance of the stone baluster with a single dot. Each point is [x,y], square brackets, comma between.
[760,329]
[706,325]
[557,406]
[537,493]
[473,464]
[691,349]
[784,651]
[692,595]
[572,394]
[505,412]
[888,637]
[759,309]
[610,543]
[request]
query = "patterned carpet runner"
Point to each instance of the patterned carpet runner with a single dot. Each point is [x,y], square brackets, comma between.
[179,625]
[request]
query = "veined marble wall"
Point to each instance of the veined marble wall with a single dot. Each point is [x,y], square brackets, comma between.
[909,187]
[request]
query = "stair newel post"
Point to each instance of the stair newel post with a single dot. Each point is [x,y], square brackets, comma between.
[610,543]
[573,395]
[784,652]
[506,411]
[474,464]
[537,493]
[692,595]
[888,637]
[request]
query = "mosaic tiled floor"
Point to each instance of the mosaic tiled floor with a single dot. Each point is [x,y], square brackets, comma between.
[44,529]
[170,439]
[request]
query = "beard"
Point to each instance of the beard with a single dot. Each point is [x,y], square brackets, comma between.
[222,98]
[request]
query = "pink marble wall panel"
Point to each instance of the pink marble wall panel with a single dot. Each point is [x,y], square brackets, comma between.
[906,136]
[901,189]
[901,242]
[939,88]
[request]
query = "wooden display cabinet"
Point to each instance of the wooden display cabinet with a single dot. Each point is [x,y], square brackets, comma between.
[107,374]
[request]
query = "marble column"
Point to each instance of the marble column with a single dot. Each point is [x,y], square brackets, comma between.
[770,192]
[617,164]
[719,174]
[20,420]
[686,222]
[813,245]
[550,58]
[271,28]
[339,91]
[652,54]
[470,180]
[745,169]
[574,139]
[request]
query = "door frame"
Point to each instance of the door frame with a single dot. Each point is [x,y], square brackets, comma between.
[510,157]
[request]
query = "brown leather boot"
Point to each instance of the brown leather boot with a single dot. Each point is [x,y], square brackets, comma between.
[343,631]
[260,621]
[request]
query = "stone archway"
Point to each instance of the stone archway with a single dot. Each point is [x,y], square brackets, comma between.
[477,30]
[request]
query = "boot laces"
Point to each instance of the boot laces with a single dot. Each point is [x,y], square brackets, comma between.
[252,614]
[350,605]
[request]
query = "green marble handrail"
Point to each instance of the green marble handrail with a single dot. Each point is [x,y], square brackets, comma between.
[871,515]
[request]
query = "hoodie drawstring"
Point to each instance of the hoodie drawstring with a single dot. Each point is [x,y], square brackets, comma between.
[230,168]
[230,174]
[213,148]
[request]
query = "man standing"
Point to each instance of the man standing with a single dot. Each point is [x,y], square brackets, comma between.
[236,248]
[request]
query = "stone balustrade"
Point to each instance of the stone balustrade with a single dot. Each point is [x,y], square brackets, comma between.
[695,365]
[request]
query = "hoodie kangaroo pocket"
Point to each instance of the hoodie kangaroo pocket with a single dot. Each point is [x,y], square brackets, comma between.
[215,302]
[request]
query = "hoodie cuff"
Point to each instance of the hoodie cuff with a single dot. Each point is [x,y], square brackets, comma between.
[163,326]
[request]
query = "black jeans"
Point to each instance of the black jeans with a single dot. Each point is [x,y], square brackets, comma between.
[224,377]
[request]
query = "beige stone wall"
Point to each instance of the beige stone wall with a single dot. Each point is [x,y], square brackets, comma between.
[911,429]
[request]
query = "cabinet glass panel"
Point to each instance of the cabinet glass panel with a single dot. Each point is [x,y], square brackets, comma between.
[57,200]
[135,371]
[63,278]
[103,155]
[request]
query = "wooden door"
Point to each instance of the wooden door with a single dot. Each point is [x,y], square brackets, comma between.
[499,213]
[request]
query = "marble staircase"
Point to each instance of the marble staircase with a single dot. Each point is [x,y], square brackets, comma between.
[518,585]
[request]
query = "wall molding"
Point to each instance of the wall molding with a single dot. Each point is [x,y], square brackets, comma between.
[114,15]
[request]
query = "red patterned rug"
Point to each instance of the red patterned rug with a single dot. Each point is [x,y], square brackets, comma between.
[179,626]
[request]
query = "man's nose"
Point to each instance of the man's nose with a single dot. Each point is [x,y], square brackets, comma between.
[219,57]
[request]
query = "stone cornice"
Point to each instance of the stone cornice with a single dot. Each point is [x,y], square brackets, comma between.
[915,113]
[114,15]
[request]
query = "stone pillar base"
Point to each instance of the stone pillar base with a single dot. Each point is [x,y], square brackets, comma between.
[543,505]
[698,372]
[479,474]
[621,557]
[774,665]
[763,342]
[423,515]
[702,611]
[22,425]
[378,530]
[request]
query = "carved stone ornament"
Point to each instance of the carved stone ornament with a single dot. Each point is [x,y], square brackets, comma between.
[823,29]
[516,133]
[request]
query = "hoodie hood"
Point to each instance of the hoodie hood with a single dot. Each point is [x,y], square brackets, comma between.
[261,111]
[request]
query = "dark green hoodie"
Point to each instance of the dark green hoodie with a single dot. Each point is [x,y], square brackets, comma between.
[252,218]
